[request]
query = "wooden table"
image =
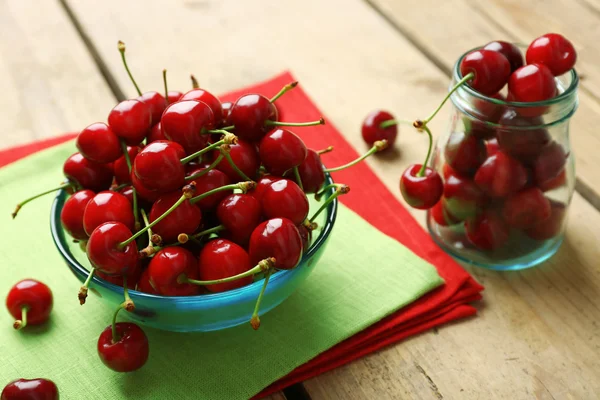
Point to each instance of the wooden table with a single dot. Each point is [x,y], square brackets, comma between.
[537,334]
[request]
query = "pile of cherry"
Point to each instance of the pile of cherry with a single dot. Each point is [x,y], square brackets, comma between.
[495,177]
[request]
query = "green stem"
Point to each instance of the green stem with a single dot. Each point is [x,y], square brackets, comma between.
[115,337]
[121,47]
[255,320]
[215,229]
[424,166]
[371,151]
[227,128]
[205,170]
[284,90]
[217,131]
[166,88]
[342,189]
[146,223]
[235,167]
[324,190]
[392,122]
[466,78]
[21,204]
[325,150]
[119,187]
[298,179]
[263,265]
[136,217]
[83,290]
[279,123]
[196,199]
[21,323]
[199,153]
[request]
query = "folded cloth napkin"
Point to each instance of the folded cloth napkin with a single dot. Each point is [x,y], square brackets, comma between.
[323,314]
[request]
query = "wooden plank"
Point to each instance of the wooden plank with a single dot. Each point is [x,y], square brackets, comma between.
[535,335]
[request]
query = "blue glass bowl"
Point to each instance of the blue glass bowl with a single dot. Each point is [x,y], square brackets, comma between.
[201,313]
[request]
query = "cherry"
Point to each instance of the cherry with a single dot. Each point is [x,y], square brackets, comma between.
[108,206]
[554,51]
[221,258]
[245,157]
[556,182]
[183,122]
[249,114]
[549,164]
[491,70]
[156,133]
[521,137]
[421,187]
[131,120]
[501,175]
[29,302]
[281,150]
[185,218]
[487,231]
[98,143]
[88,174]
[144,285]
[30,389]
[278,238]
[464,153]
[142,191]
[158,166]
[206,97]
[526,208]
[174,96]
[156,103]
[463,198]
[441,216]
[167,266]
[225,110]
[487,113]
[311,171]
[550,227]
[71,215]
[285,199]
[132,278]
[306,236]
[530,83]
[128,351]
[492,147]
[447,171]
[240,214]
[508,50]
[212,179]
[372,130]
[262,184]
[120,167]
[104,250]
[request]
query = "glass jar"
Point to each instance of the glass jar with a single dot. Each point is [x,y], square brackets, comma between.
[509,175]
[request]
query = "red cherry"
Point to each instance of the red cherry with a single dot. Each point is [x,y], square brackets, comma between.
[447,171]
[32,295]
[103,249]
[249,114]
[492,147]
[158,166]
[144,285]
[306,236]
[186,218]
[558,181]
[129,352]
[532,82]
[550,227]
[156,133]
[463,198]
[127,191]
[554,51]
[71,215]
[285,199]
[491,70]
[142,191]
[371,128]
[240,214]
[166,268]
[421,192]
[508,50]
[278,238]
[225,109]
[206,97]
[107,206]
[220,259]
[501,175]
[88,174]
[281,150]
[262,184]
[184,121]
[133,276]
[157,104]
[131,120]
[487,112]
[526,208]
[549,164]
[311,172]
[174,96]
[441,216]
[98,143]
[519,136]
[464,153]
[30,389]
[210,180]
[120,168]
[487,231]
[245,157]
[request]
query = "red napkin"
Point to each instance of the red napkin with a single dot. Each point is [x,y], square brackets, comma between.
[447,303]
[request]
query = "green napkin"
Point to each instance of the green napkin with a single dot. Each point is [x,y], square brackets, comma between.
[362,277]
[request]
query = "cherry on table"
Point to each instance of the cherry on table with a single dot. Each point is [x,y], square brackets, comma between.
[29,302]
[554,51]
[158,166]
[464,153]
[206,97]
[245,156]
[491,70]
[104,252]
[98,143]
[508,50]
[311,171]
[128,353]
[281,150]
[285,199]
[462,197]
[240,214]
[421,192]
[526,208]
[131,120]
[88,174]
[249,114]
[487,231]
[212,179]
[120,167]
[278,238]
[184,121]
[521,137]
[550,227]
[222,258]
[30,389]
[166,268]
[372,131]
[71,215]
[107,206]
[501,175]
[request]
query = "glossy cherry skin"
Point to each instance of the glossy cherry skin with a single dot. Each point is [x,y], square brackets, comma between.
[142,191]
[129,353]
[131,120]
[211,180]
[240,214]
[491,70]
[421,192]
[549,164]
[464,153]
[550,227]
[88,174]
[519,137]
[174,96]
[206,97]
[30,389]
[554,51]
[158,166]
[532,82]
[245,156]
[186,218]
[167,266]
[372,132]
[285,199]
[501,175]
[98,143]
[281,150]
[107,206]
[132,278]
[225,109]
[157,104]
[156,133]
[144,285]
[221,258]
[311,172]
[462,198]
[508,50]
[249,114]
[262,184]
[103,252]
[487,231]
[526,208]
[278,238]
[184,121]
[33,294]
[120,168]
[441,216]
[492,147]
[71,215]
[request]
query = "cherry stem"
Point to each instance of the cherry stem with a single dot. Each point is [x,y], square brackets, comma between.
[195,84]
[392,122]
[341,189]
[424,166]
[83,290]
[255,320]
[128,304]
[21,204]
[215,229]
[115,337]
[465,78]
[243,186]
[219,131]
[134,192]
[145,218]
[262,266]
[298,179]
[226,128]
[324,190]
[21,323]
[279,123]
[166,87]
[226,154]
[121,47]
[199,153]
[206,170]
[119,187]
[377,146]
[283,91]
[326,150]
